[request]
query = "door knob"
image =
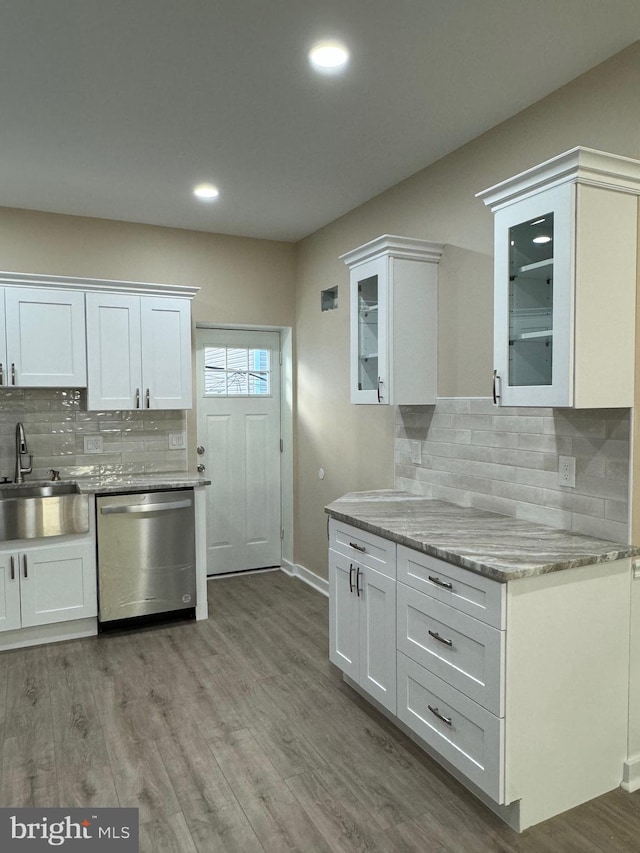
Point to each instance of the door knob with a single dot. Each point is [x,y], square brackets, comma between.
[201,468]
[200,450]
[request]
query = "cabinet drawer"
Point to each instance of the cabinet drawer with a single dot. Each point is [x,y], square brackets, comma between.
[363,547]
[468,736]
[473,594]
[466,653]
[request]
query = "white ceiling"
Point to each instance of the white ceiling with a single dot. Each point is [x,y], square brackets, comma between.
[116,108]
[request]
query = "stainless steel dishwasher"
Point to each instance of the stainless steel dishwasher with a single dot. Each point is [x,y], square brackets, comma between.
[146,554]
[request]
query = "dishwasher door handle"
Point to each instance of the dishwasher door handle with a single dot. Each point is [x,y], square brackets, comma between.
[142,508]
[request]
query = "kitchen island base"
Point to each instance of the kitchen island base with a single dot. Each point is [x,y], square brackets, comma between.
[527,701]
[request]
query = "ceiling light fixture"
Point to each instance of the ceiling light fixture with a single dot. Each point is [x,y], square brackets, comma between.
[206,192]
[543,238]
[328,57]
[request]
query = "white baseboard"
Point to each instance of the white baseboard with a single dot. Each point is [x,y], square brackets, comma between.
[57,632]
[295,570]
[631,774]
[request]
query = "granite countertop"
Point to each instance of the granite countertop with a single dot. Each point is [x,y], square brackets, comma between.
[497,546]
[135,482]
[122,483]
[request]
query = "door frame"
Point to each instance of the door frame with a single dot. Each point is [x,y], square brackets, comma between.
[286,426]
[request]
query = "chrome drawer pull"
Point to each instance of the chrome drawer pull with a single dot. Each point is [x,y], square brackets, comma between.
[358,587]
[440,583]
[437,713]
[357,547]
[440,639]
[350,577]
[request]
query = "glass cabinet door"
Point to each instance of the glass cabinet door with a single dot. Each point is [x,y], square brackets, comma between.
[368,333]
[531,321]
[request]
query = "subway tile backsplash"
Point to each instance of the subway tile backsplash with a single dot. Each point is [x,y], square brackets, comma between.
[56,422]
[467,451]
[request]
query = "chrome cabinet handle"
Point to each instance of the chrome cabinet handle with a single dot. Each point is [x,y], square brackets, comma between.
[200,452]
[440,639]
[443,584]
[437,713]
[378,389]
[24,565]
[358,547]
[137,398]
[148,399]
[201,468]
[13,374]
[13,568]
[496,379]
[350,577]
[1,373]
[358,587]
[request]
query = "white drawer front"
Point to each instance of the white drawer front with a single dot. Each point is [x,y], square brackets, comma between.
[468,736]
[473,594]
[464,652]
[363,547]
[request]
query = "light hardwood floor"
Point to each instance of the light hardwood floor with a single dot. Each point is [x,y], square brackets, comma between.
[236,734]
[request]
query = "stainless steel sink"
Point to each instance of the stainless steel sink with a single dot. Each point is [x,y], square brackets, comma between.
[38,510]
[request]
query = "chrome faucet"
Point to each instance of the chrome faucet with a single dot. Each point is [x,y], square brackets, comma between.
[22,450]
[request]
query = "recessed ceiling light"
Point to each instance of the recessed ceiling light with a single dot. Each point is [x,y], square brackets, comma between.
[206,192]
[328,57]
[543,238]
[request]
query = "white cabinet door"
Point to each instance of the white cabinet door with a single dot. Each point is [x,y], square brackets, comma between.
[344,630]
[57,584]
[45,338]
[5,377]
[9,593]
[114,364]
[377,599]
[369,287]
[166,352]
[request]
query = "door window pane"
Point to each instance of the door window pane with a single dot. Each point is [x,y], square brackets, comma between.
[531,302]
[236,372]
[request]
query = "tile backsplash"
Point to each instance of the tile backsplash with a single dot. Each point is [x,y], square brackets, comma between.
[467,451]
[56,422]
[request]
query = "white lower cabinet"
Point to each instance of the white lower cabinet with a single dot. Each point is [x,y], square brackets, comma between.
[362,619]
[43,584]
[519,688]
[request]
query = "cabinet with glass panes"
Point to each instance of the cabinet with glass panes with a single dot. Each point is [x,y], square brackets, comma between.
[394,320]
[564,282]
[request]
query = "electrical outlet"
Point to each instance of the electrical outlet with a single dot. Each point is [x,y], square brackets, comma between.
[567,471]
[177,440]
[93,444]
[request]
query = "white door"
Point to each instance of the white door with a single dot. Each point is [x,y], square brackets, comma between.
[239,432]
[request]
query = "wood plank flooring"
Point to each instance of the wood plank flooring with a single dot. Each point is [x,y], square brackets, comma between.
[237,734]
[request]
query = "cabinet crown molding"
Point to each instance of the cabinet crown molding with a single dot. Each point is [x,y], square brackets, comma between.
[16,279]
[578,165]
[409,248]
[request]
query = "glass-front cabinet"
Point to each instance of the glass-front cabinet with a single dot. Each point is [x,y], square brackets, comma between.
[394,306]
[564,284]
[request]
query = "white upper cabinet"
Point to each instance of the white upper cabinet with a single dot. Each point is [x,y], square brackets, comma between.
[138,351]
[394,320]
[565,282]
[42,338]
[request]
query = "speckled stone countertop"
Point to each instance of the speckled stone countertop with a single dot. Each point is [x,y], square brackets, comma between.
[498,546]
[136,482]
[121,483]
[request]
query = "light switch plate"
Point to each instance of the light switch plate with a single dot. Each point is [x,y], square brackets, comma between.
[177,440]
[93,444]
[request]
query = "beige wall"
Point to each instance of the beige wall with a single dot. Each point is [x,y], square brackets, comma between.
[243,280]
[354,443]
